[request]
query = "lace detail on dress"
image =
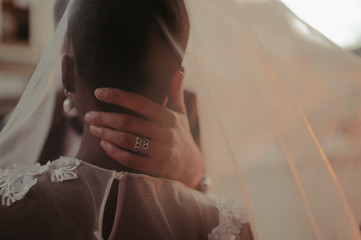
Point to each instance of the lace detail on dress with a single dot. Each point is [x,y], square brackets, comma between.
[15,183]
[230,222]
[63,169]
[119,175]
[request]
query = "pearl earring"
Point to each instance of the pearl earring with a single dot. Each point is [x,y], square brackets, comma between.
[68,103]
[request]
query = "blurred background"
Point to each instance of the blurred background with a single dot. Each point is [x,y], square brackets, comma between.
[26,27]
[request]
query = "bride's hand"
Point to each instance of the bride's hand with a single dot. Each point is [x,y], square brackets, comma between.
[172,152]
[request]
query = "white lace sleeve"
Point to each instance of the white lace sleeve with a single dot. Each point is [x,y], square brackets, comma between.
[16,182]
[231,219]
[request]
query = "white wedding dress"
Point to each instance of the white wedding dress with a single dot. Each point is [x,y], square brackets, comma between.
[66,199]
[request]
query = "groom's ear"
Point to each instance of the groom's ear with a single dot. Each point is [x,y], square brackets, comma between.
[67,69]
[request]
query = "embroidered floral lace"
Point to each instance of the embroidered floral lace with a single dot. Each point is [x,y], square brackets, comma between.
[15,183]
[230,222]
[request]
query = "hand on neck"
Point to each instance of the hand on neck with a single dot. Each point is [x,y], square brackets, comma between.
[90,151]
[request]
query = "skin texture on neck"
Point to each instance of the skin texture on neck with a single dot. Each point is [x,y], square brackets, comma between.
[90,151]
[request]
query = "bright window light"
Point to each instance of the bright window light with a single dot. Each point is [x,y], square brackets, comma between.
[339,20]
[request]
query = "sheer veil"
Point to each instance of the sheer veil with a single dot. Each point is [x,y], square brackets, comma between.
[279,109]
[30,122]
[276,98]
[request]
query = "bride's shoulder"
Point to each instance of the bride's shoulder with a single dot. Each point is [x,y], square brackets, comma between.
[16,182]
[43,200]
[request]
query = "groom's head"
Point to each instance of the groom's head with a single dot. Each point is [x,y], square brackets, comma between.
[127,44]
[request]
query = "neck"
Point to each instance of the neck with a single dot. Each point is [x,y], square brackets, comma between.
[90,151]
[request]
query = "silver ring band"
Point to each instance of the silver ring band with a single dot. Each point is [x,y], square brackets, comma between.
[138,142]
[145,145]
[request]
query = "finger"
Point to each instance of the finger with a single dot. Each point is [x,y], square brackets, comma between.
[134,102]
[127,141]
[130,160]
[126,123]
[122,156]
[176,94]
[121,139]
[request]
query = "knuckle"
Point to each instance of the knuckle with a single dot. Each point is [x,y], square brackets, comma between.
[172,138]
[118,122]
[170,153]
[122,122]
[173,118]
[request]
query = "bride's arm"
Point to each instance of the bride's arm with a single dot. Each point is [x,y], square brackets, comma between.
[172,151]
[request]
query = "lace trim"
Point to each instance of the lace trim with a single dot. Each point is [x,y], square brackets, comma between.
[230,222]
[15,183]
[119,175]
[63,169]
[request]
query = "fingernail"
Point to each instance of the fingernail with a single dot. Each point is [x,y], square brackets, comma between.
[100,92]
[104,144]
[89,117]
[95,130]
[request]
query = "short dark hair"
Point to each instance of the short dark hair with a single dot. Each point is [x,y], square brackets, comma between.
[59,9]
[115,40]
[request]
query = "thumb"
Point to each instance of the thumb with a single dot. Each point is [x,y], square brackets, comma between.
[176,94]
